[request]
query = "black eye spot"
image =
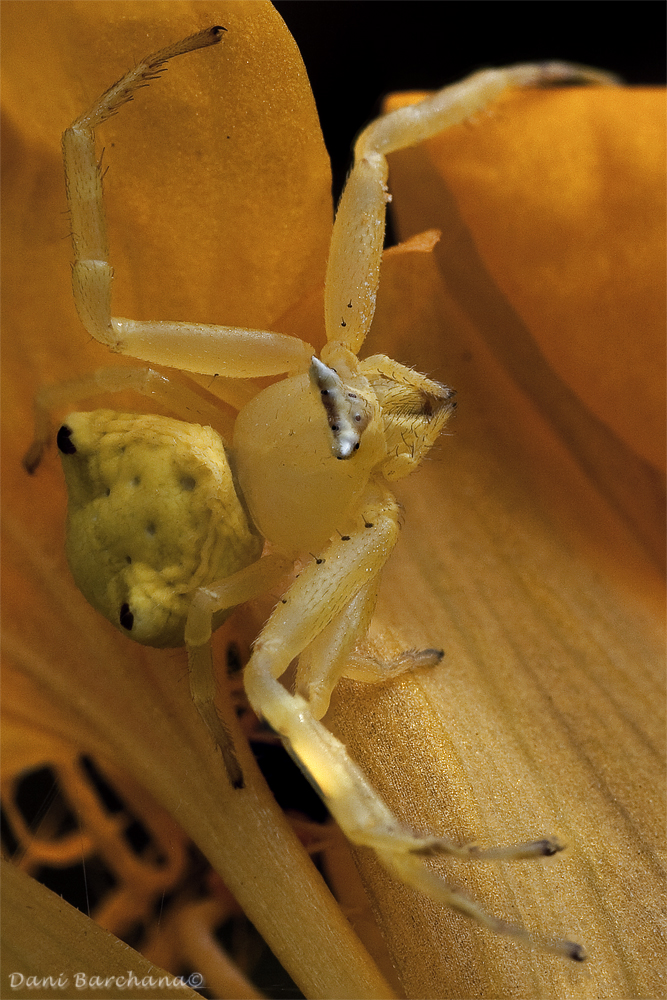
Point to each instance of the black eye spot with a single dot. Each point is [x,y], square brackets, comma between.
[188,483]
[64,442]
[128,560]
[150,528]
[107,492]
[126,617]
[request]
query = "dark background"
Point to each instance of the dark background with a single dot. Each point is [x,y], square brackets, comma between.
[356,51]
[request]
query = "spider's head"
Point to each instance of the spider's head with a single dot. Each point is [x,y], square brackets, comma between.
[348,412]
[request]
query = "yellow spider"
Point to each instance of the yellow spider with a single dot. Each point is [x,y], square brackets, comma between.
[168,523]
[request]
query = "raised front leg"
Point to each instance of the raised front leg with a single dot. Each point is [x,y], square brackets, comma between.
[195,347]
[353,269]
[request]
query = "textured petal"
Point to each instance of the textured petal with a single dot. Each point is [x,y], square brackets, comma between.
[517,557]
[244,114]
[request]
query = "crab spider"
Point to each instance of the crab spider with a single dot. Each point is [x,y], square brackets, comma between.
[164,541]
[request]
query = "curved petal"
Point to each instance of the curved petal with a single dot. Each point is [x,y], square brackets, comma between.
[215,150]
[69,943]
[66,671]
[555,247]
[510,558]
[546,715]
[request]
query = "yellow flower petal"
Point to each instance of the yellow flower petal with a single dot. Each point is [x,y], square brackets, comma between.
[69,944]
[543,717]
[555,247]
[248,119]
[546,715]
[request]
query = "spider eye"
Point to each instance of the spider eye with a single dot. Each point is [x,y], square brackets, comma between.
[126,617]
[64,440]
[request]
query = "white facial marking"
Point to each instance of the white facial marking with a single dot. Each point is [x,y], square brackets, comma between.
[347,414]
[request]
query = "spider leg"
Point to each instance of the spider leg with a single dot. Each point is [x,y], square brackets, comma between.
[243,586]
[188,400]
[320,594]
[331,655]
[324,661]
[203,690]
[195,347]
[370,670]
[353,268]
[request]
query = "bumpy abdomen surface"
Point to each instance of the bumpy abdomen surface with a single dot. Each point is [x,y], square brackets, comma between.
[152,516]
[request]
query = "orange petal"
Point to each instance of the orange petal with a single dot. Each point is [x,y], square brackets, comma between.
[571,269]
[564,194]
[546,715]
[243,115]
[68,944]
